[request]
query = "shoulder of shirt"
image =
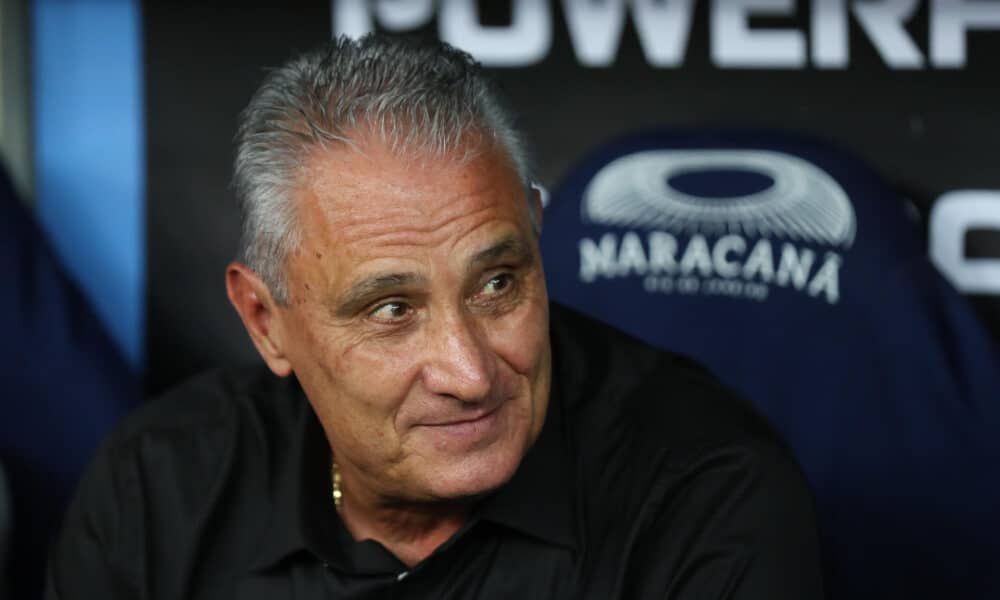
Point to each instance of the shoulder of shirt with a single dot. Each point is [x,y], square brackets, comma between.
[214,400]
[666,398]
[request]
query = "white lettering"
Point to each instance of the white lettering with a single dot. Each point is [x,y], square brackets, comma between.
[735,44]
[662,252]
[949,21]
[951,218]
[697,256]
[709,268]
[664,29]
[827,279]
[524,42]
[396,15]
[794,266]
[688,285]
[597,260]
[351,18]
[663,285]
[730,244]
[829,34]
[595,29]
[760,261]
[883,22]
[631,256]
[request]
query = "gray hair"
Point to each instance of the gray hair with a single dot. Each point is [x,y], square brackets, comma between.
[419,98]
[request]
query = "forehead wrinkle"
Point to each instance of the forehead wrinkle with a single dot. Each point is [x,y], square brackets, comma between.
[388,232]
[397,193]
[397,177]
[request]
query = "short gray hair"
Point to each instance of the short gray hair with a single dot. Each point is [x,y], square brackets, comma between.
[426,98]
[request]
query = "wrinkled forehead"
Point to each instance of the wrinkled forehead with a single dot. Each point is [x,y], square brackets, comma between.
[368,176]
[369,201]
[407,145]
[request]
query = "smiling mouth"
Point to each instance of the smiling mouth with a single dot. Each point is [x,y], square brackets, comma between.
[472,429]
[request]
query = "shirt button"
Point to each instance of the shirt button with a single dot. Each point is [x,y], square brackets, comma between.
[402,575]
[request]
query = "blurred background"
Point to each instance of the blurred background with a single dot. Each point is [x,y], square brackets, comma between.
[116,127]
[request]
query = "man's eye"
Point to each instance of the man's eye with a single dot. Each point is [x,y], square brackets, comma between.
[498,284]
[391,311]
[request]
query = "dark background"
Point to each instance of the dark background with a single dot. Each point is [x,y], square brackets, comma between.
[927,131]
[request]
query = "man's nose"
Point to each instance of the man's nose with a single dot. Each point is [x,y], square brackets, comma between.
[459,361]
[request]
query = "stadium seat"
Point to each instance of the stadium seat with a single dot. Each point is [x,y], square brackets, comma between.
[63,384]
[801,278]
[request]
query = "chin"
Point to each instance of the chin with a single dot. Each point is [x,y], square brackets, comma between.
[474,458]
[477,474]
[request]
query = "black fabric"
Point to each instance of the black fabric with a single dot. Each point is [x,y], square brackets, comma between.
[649,480]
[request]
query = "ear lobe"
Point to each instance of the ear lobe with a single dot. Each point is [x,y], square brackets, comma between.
[259,312]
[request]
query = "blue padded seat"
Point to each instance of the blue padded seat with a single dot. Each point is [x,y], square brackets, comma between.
[801,278]
[63,384]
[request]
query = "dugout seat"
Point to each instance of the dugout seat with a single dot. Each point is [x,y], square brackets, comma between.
[63,384]
[801,278]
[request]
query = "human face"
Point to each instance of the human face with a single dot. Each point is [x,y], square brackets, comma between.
[417,320]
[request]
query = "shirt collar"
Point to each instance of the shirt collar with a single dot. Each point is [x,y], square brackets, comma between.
[538,501]
[289,471]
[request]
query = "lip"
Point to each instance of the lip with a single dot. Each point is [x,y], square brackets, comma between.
[470,429]
[478,416]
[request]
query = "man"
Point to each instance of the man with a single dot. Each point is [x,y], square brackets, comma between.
[426,427]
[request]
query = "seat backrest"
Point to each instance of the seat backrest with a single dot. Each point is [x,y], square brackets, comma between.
[801,279]
[62,386]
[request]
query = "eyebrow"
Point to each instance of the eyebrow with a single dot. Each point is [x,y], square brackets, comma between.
[509,246]
[369,288]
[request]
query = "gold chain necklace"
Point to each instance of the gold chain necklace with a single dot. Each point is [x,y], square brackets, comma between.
[338,496]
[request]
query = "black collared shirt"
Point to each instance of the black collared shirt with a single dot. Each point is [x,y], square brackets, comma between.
[649,480]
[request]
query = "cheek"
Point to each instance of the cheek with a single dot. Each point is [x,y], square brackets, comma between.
[378,374]
[355,385]
[521,338]
[523,343]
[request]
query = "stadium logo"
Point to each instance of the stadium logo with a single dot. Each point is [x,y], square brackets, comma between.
[787,232]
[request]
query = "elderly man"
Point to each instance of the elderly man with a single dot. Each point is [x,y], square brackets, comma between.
[427,425]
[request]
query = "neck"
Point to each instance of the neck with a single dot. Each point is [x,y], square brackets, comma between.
[411,531]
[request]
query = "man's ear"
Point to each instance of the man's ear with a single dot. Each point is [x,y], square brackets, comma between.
[253,301]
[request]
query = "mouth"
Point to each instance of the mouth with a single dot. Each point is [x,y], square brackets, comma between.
[480,426]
